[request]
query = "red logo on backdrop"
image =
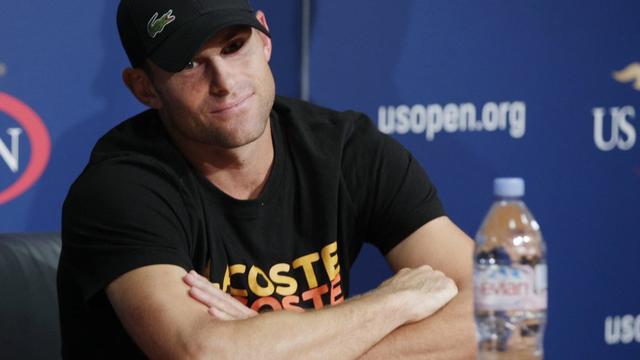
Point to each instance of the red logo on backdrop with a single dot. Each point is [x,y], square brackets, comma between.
[40,145]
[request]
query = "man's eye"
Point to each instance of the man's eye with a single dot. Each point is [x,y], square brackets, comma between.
[190,65]
[233,46]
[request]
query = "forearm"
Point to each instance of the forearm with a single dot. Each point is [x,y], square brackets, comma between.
[184,328]
[448,334]
[345,331]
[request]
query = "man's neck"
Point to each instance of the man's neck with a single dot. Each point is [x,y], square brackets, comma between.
[241,172]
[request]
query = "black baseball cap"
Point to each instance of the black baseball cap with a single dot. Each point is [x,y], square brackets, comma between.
[170,32]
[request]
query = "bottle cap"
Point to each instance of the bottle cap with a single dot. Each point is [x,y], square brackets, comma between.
[508,187]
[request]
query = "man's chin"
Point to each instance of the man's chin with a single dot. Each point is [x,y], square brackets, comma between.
[233,138]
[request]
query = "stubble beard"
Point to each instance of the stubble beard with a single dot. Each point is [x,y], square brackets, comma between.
[184,127]
[213,133]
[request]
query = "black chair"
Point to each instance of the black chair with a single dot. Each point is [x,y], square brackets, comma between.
[29,325]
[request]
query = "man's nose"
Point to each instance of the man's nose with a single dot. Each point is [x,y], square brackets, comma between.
[222,78]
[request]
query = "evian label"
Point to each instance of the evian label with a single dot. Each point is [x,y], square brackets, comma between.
[516,287]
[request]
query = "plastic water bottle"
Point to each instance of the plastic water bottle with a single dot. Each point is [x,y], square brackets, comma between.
[510,278]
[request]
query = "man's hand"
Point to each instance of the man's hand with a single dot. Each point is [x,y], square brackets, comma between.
[424,290]
[221,305]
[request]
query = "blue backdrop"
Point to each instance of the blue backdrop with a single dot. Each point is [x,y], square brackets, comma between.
[547,90]
[481,89]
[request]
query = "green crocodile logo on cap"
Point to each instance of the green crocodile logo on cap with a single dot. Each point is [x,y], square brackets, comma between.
[155,26]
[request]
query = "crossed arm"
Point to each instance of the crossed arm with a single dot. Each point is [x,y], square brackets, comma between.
[402,317]
[449,333]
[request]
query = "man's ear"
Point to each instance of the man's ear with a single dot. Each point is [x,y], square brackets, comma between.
[141,87]
[266,40]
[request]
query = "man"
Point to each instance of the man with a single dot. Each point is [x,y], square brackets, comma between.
[194,219]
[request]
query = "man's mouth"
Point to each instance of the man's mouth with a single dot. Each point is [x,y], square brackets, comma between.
[231,105]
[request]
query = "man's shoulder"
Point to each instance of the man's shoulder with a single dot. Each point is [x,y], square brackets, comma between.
[294,106]
[321,121]
[140,134]
[139,141]
[135,153]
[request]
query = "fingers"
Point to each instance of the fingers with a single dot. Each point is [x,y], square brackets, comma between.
[205,292]
[226,307]
[218,303]
[219,314]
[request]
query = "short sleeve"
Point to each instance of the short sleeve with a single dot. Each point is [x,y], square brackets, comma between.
[392,193]
[119,215]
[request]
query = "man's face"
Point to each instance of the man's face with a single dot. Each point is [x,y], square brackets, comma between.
[225,94]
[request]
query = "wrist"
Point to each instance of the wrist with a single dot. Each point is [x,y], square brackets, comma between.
[395,304]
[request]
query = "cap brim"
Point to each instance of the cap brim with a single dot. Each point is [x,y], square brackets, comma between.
[177,50]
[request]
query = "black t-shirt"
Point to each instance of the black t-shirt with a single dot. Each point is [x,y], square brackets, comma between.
[336,182]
